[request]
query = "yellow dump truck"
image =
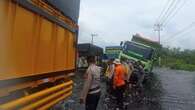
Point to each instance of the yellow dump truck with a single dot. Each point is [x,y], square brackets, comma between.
[38,40]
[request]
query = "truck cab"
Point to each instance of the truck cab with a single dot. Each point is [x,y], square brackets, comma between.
[113,51]
[138,52]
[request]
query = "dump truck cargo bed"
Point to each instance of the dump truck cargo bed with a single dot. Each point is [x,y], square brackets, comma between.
[37,49]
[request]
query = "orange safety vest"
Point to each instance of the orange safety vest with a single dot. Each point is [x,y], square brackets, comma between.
[119,76]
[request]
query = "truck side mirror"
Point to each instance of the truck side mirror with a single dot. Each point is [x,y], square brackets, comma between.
[121,44]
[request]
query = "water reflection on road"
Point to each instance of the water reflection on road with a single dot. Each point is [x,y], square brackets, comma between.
[165,90]
[179,89]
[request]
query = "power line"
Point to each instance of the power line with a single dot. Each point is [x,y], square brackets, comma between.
[179,35]
[186,34]
[183,37]
[176,11]
[183,30]
[180,32]
[163,10]
[167,11]
[172,9]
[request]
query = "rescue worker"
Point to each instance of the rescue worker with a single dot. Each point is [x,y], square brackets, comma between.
[110,69]
[141,76]
[131,69]
[119,82]
[137,78]
[90,94]
[126,68]
[109,76]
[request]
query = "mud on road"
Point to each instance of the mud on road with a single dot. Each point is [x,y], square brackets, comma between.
[165,90]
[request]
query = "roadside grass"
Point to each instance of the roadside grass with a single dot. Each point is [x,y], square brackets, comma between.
[179,66]
[187,67]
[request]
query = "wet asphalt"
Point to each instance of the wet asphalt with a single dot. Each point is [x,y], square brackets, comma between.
[165,89]
[178,89]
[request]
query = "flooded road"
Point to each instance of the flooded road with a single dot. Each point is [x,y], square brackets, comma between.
[164,90]
[178,89]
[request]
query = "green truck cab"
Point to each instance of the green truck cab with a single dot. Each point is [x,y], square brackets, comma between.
[138,52]
[138,49]
[142,49]
[133,51]
[113,51]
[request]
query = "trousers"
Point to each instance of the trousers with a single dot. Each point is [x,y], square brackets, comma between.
[92,101]
[119,96]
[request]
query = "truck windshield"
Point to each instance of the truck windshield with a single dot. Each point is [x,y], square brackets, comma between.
[139,50]
[113,51]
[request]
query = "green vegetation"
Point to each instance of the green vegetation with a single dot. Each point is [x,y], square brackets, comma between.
[175,58]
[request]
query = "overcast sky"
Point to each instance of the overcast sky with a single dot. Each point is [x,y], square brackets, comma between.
[118,20]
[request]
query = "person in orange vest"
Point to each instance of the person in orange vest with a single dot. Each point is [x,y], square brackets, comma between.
[119,82]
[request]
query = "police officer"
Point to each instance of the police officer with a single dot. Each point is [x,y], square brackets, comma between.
[91,91]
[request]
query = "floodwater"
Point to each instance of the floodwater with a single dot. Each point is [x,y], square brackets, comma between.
[164,90]
[178,89]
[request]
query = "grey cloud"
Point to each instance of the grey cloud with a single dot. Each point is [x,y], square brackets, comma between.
[117,20]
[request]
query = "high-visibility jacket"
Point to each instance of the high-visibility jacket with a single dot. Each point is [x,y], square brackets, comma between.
[119,76]
[126,68]
[110,71]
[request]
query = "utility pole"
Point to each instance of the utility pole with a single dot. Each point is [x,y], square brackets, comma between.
[92,36]
[158,28]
